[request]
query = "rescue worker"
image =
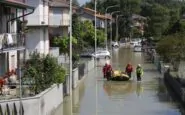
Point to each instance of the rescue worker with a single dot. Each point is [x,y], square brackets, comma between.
[108,70]
[139,72]
[104,70]
[129,70]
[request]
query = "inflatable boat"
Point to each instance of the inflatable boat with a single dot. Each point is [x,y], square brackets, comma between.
[119,76]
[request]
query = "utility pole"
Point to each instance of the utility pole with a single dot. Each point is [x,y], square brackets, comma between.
[106,10]
[95,40]
[70,52]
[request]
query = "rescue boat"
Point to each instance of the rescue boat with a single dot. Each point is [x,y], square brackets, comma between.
[118,75]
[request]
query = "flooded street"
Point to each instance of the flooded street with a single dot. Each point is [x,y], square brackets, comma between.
[96,96]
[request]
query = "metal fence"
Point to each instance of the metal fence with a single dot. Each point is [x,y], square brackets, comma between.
[82,70]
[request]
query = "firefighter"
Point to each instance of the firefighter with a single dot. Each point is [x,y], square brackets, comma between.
[129,70]
[139,72]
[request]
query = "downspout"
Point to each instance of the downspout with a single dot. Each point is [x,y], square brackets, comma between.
[44,30]
[18,18]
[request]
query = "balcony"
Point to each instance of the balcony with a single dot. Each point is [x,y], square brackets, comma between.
[59,21]
[11,42]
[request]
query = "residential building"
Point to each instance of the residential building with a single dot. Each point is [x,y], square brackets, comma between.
[12,39]
[138,21]
[59,18]
[89,14]
[37,37]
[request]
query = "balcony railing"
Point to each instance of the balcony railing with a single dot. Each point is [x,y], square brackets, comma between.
[58,21]
[11,41]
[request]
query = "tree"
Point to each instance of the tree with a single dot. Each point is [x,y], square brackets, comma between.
[158,19]
[76,3]
[42,71]
[171,47]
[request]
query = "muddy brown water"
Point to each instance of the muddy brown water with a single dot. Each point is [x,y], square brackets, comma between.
[96,96]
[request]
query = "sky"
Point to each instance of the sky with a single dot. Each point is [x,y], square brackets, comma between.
[83,1]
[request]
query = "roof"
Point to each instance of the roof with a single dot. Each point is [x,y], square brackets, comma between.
[98,15]
[135,16]
[16,4]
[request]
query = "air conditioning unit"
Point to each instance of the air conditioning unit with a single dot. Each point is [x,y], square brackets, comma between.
[42,22]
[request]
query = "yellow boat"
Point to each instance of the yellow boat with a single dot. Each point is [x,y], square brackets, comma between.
[118,75]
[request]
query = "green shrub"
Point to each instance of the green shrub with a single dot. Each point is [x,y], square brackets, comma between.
[42,72]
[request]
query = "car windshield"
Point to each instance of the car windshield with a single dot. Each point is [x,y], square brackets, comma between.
[101,51]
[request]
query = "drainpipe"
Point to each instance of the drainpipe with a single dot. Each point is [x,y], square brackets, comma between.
[44,31]
[18,18]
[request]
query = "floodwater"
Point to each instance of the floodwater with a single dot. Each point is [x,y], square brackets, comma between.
[96,96]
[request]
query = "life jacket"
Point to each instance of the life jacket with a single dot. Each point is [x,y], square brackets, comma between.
[108,68]
[139,70]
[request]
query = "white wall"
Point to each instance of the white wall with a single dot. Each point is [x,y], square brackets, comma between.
[65,17]
[40,14]
[12,63]
[38,41]
[42,104]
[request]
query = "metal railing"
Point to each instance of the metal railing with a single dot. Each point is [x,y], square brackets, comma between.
[9,41]
[59,21]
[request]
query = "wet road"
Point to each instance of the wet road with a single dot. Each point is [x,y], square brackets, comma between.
[96,96]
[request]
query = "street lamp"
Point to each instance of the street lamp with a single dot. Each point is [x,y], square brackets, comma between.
[70,50]
[70,57]
[95,44]
[111,23]
[106,21]
[117,17]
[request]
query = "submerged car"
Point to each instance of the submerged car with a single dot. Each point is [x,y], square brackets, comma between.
[102,54]
[115,44]
[137,48]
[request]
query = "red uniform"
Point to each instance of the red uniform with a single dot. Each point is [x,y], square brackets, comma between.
[129,70]
[107,69]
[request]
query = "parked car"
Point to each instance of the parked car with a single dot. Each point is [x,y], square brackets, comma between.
[137,48]
[102,54]
[135,42]
[87,53]
[115,44]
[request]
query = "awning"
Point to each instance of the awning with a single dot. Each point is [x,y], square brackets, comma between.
[16,4]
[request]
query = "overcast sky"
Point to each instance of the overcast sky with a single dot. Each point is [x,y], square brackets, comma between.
[83,1]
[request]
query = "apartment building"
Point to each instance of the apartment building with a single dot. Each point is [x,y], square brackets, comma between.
[12,38]
[37,37]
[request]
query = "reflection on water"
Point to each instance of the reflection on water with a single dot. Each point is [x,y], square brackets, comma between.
[118,88]
[139,88]
[122,88]
[71,104]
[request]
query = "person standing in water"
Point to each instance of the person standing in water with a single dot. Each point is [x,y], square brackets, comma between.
[139,72]
[129,70]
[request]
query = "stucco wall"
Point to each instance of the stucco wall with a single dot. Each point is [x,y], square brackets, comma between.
[12,57]
[42,104]
[37,40]
[40,14]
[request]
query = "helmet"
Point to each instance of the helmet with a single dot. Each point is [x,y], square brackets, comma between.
[139,65]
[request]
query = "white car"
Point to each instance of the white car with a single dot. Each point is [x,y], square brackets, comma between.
[101,54]
[115,44]
[137,48]
[135,43]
